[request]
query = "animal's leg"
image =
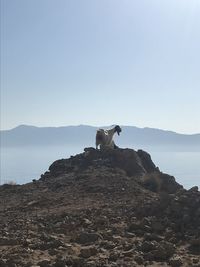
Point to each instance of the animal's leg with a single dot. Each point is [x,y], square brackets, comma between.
[97,144]
[102,147]
[113,145]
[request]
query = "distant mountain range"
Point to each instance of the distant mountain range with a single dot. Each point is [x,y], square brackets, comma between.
[84,135]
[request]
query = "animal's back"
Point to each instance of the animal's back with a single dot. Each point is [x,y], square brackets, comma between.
[100,135]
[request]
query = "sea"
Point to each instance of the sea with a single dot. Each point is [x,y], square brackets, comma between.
[21,165]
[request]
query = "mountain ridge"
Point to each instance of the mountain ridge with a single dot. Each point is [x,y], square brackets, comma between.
[84,135]
[24,126]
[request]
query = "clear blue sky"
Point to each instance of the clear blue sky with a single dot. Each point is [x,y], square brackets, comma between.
[101,62]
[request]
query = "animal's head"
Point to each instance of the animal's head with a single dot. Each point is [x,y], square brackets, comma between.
[118,129]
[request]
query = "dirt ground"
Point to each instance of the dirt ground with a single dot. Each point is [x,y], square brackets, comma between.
[110,208]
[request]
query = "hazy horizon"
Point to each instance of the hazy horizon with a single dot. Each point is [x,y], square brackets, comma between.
[101,63]
[22,164]
[97,126]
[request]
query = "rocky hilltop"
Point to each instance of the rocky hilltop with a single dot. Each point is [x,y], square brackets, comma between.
[100,208]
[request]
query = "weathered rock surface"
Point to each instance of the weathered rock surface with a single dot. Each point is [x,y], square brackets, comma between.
[100,208]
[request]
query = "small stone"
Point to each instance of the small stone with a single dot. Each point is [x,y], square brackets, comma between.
[44,263]
[4,241]
[153,236]
[161,252]
[28,264]
[195,260]
[59,263]
[86,221]
[87,238]
[173,240]
[114,256]
[75,261]
[148,246]
[89,149]
[91,264]
[128,253]
[87,252]
[135,226]
[139,259]
[129,235]
[52,252]
[176,262]
[194,189]
[107,244]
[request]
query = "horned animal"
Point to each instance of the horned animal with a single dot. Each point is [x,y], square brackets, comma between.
[104,138]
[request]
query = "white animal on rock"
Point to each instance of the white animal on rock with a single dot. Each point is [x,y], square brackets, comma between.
[104,138]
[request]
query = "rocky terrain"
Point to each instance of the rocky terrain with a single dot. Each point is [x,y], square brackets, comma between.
[100,208]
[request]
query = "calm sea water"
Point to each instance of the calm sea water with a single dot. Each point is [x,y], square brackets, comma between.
[26,163]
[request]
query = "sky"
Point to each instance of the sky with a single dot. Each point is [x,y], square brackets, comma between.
[101,62]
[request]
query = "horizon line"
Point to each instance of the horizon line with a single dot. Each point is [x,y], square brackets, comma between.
[87,125]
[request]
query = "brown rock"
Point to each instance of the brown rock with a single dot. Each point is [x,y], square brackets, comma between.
[176,261]
[44,263]
[139,259]
[87,252]
[87,238]
[148,246]
[128,253]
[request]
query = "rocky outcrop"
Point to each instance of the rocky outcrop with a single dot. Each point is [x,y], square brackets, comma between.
[137,165]
[132,162]
[100,208]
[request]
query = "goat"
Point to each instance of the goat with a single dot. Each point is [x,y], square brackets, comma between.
[104,138]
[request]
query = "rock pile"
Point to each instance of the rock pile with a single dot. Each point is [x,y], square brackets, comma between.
[100,208]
